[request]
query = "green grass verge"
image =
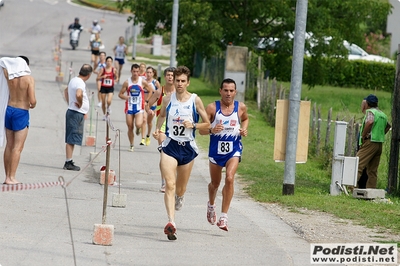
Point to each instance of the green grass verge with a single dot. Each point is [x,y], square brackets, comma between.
[100,4]
[153,57]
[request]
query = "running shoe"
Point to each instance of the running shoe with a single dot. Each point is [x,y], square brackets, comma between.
[170,231]
[99,104]
[131,149]
[137,131]
[211,214]
[179,202]
[147,141]
[162,189]
[142,142]
[223,223]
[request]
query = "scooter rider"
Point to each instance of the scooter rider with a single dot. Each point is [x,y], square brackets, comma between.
[75,30]
[96,28]
[75,25]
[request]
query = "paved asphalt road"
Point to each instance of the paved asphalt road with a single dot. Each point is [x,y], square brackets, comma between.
[34,223]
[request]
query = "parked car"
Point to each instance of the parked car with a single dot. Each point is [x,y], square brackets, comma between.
[355,52]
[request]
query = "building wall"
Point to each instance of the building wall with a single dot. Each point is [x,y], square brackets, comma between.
[393,26]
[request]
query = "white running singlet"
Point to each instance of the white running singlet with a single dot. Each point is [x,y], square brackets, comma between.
[177,112]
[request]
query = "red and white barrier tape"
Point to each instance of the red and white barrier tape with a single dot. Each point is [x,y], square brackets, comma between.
[15,187]
[21,186]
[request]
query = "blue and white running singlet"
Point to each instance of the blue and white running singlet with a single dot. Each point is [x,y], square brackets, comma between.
[227,143]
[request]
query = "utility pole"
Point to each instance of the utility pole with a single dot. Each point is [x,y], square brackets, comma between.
[394,146]
[174,33]
[134,39]
[294,97]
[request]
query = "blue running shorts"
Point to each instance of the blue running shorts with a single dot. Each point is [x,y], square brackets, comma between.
[184,152]
[16,118]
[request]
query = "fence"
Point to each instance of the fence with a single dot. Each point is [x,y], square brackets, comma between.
[320,136]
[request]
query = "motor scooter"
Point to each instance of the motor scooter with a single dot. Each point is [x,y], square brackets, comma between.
[74,38]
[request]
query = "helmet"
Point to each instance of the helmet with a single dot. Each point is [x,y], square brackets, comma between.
[95,21]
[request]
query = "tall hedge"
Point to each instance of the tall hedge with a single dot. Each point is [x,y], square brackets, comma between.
[335,72]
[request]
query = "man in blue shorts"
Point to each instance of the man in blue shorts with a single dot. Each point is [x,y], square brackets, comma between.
[229,122]
[78,106]
[132,92]
[21,99]
[181,111]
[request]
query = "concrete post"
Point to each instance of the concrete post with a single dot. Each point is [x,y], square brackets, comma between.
[338,156]
[174,33]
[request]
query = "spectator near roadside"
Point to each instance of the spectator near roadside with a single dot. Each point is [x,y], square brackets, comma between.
[373,129]
[78,106]
[19,91]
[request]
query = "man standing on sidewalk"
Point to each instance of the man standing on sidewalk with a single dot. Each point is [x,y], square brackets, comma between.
[373,129]
[229,122]
[78,106]
[21,91]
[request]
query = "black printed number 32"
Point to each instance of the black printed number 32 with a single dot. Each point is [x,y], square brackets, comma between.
[178,130]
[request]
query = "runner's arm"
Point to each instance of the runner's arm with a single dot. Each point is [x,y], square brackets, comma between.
[121,93]
[205,124]
[244,119]
[210,110]
[99,75]
[31,93]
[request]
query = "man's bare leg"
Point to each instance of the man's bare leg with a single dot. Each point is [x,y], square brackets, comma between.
[12,153]
[139,117]
[69,150]
[143,128]
[228,189]
[168,170]
[182,178]
[103,103]
[98,91]
[129,124]
[215,174]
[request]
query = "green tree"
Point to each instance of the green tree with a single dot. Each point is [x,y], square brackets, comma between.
[208,26]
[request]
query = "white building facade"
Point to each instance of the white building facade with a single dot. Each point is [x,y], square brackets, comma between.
[393,26]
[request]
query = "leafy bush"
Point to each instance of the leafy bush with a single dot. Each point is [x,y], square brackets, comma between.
[335,72]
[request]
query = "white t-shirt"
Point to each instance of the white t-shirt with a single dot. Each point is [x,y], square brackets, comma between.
[75,84]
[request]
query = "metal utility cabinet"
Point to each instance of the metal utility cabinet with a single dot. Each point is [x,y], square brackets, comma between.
[344,169]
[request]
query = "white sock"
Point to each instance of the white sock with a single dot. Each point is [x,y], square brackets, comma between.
[224,215]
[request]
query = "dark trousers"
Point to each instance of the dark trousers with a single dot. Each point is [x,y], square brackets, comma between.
[369,157]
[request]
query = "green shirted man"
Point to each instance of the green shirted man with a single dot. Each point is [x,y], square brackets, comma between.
[374,127]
